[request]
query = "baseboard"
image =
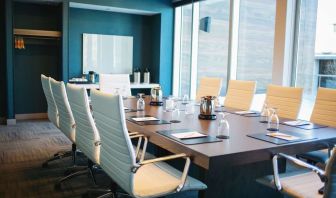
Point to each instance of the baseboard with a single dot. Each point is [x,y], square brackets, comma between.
[31,116]
[11,121]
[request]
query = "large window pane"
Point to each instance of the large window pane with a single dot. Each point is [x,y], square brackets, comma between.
[213,40]
[185,61]
[256,41]
[315,59]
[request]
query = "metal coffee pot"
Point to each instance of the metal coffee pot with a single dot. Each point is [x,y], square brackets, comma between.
[156,94]
[207,105]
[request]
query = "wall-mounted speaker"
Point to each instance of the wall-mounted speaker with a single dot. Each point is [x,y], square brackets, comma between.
[205,24]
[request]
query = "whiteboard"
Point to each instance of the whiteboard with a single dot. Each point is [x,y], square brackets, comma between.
[107,54]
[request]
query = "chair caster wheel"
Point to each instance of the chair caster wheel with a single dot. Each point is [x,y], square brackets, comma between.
[57,186]
[45,165]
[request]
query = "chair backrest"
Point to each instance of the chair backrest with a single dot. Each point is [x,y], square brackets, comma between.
[117,156]
[52,108]
[66,119]
[325,107]
[208,87]
[108,83]
[87,135]
[330,185]
[286,99]
[240,94]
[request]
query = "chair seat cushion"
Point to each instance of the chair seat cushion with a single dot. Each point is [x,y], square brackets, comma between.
[316,156]
[160,179]
[297,183]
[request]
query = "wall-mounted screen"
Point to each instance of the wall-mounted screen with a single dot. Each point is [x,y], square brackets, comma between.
[107,54]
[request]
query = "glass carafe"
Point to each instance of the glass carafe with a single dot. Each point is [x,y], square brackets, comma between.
[264,114]
[223,130]
[140,103]
[273,120]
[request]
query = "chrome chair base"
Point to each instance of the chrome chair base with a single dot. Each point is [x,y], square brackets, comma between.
[57,156]
[91,168]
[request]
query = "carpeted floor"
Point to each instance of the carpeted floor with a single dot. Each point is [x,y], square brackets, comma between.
[23,149]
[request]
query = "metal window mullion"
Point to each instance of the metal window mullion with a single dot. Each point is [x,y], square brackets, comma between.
[233,40]
[177,50]
[194,50]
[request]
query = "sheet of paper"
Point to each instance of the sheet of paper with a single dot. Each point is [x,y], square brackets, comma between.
[188,135]
[297,123]
[142,119]
[244,112]
[283,136]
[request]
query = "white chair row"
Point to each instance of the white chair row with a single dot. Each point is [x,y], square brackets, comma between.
[109,145]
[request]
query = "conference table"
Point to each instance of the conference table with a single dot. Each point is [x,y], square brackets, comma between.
[231,166]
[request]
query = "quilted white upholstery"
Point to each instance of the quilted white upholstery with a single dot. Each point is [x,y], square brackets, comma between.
[87,135]
[287,100]
[240,94]
[325,107]
[52,109]
[66,119]
[209,87]
[117,156]
[108,83]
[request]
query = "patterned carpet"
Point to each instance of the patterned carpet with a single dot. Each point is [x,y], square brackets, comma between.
[23,148]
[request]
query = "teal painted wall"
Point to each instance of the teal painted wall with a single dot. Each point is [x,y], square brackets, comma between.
[40,56]
[2,61]
[159,54]
[110,23]
[163,58]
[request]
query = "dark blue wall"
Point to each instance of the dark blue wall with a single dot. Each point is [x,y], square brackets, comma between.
[156,37]
[2,61]
[162,47]
[110,23]
[40,56]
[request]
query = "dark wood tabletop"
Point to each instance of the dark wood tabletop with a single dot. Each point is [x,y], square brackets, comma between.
[239,149]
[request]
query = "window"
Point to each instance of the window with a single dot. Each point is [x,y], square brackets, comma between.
[256,42]
[202,45]
[184,28]
[213,40]
[315,57]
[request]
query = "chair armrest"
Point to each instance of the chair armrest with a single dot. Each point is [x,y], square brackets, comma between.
[303,164]
[171,157]
[132,133]
[140,137]
[166,158]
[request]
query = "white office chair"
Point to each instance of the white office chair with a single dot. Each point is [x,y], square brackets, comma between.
[209,87]
[52,109]
[87,136]
[240,94]
[146,178]
[115,83]
[53,116]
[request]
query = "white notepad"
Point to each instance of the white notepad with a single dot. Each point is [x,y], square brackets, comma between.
[142,119]
[188,135]
[283,136]
[297,123]
[245,112]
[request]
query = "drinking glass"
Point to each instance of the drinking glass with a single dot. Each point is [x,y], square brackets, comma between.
[265,113]
[175,116]
[169,105]
[189,109]
[140,103]
[223,130]
[273,120]
[185,99]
